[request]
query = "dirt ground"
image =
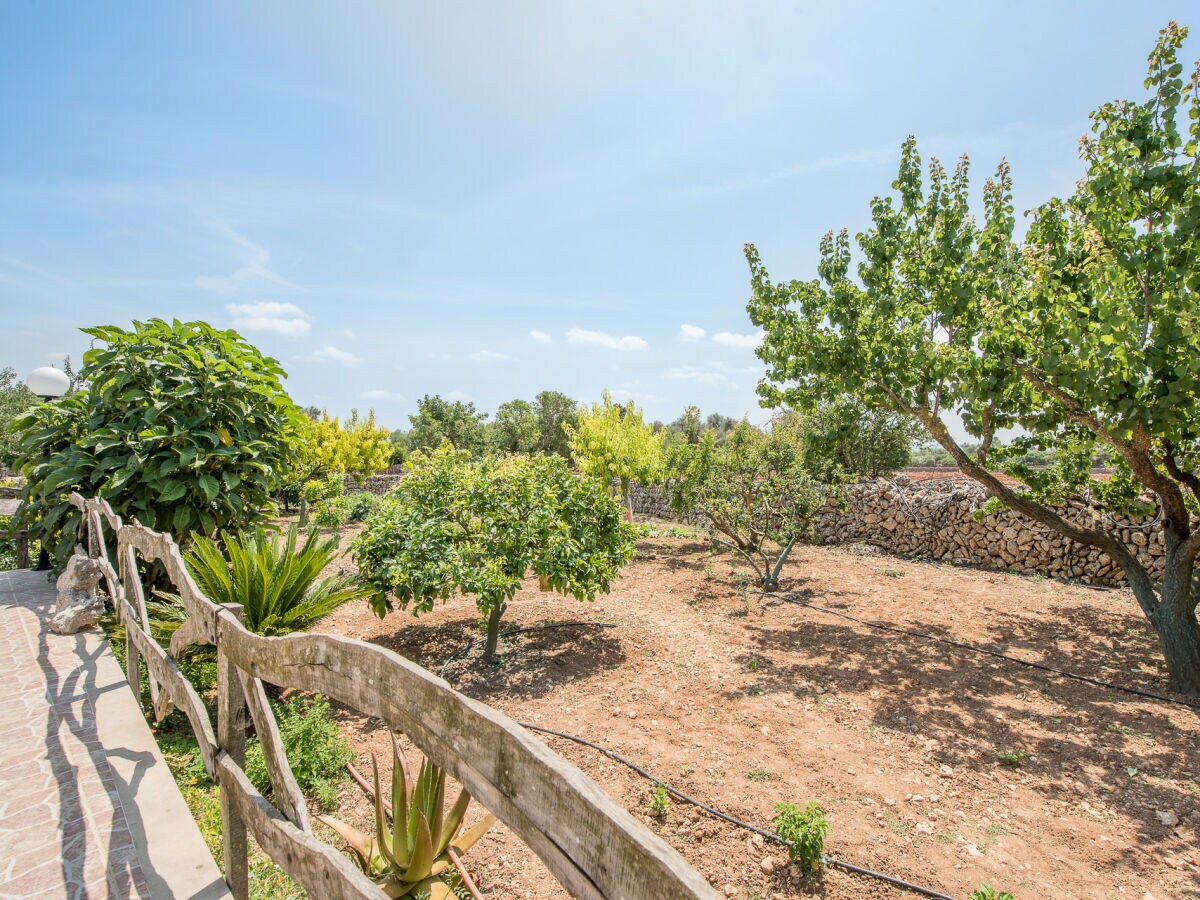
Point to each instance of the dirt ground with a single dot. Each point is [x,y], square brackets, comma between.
[744,701]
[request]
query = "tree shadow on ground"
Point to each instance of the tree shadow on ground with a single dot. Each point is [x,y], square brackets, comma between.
[1118,747]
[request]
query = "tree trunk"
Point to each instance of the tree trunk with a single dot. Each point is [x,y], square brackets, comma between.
[303,513]
[493,631]
[1179,637]
[626,489]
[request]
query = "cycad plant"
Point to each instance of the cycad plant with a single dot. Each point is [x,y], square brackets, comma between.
[415,858]
[276,584]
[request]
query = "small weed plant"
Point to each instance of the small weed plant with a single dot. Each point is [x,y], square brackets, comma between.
[804,831]
[986,892]
[660,802]
[1012,758]
[758,773]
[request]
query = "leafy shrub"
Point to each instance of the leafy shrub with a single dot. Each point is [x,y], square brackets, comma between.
[613,443]
[477,527]
[361,504]
[276,584]
[660,803]
[320,489]
[185,427]
[804,831]
[314,746]
[331,514]
[414,859]
[1012,758]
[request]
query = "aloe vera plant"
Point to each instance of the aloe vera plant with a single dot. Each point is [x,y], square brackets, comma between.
[414,856]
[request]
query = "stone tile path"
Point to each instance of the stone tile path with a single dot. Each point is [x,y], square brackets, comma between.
[88,808]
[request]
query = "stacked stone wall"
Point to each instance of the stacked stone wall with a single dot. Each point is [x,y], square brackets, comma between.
[939,518]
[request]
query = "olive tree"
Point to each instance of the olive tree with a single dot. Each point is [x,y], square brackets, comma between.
[753,492]
[476,527]
[1084,337]
[181,425]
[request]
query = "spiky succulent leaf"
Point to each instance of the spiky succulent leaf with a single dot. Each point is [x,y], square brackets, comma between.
[421,862]
[453,821]
[360,843]
[384,836]
[467,839]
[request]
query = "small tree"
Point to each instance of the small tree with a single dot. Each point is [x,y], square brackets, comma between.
[754,493]
[181,425]
[614,444]
[556,413]
[1085,337]
[476,527]
[516,428]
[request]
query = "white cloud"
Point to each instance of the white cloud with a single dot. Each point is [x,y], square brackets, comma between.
[636,396]
[256,264]
[459,396]
[541,337]
[692,373]
[600,339]
[485,356]
[378,394]
[741,341]
[691,333]
[286,319]
[334,355]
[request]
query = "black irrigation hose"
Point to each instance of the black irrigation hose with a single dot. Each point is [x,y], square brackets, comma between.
[467,647]
[974,648]
[767,835]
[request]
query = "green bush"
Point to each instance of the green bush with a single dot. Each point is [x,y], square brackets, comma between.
[361,505]
[804,831]
[321,489]
[276,584]
[986,892]
[314,746]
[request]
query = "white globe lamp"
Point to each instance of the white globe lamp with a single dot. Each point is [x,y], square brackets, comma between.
[48,382]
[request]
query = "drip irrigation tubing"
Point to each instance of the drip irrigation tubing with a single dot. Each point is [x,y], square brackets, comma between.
[465,648]
[975,648]
[766,835]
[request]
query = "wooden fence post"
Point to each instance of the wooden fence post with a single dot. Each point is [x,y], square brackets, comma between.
[231,735]
[133,657]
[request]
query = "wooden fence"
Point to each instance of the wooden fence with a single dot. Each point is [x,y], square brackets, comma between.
[591,845]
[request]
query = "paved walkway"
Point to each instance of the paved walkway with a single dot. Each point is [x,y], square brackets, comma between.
[88,807]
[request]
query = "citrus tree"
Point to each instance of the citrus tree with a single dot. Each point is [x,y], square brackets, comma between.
[1087,336]
[614,444]
[754,493]
[475,527]
[181,425]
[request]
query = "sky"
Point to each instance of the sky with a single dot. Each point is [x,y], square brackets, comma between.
[486,200]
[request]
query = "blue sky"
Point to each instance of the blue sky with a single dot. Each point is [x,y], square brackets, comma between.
[487,200]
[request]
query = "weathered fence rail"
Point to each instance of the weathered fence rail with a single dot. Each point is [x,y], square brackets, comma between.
[591,845]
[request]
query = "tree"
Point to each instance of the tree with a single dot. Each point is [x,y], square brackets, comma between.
[15,400]
[439,421]
[614,444]
[556,413]
[516,428]
[185,427]
[754,493]
[846,437]
[1085,337]
[453,524]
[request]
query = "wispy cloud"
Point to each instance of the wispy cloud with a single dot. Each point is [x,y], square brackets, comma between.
[698,375]
[740,341]
[330,354]
[608,341]
[273,318]
[691,333]
[636,396]
[459,396]
[379,394]
[541,337]
[255,265]
[485,356]
[869,156]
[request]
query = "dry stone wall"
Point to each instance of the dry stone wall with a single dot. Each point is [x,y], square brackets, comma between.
[936,519]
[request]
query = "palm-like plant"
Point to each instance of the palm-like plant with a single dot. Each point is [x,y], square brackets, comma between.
[414,858]
[276,584]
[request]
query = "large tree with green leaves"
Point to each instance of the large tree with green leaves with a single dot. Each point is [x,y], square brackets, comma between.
[179,424]
[440,421]
[846,438]
[476,527]
[1086,337]
[613,443]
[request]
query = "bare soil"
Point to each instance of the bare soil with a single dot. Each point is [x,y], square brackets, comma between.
[744,700]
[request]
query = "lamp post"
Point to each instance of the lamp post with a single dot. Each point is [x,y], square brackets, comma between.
[48,383]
